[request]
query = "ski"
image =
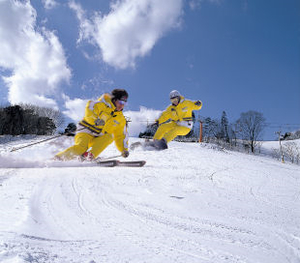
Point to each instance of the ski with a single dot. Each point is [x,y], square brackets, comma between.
[131,163]
[110,163]
[113,163]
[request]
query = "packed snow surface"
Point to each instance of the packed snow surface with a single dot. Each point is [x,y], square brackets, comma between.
[190,203]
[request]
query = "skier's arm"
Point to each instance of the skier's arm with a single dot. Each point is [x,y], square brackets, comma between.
[121,138]
[165,115]
[93,110]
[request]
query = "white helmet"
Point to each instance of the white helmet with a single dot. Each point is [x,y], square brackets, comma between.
[174,94]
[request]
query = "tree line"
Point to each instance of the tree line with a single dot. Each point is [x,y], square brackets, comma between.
[29,119]
[245,132]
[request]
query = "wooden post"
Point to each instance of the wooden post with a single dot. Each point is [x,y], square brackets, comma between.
[201,131]
[280,146]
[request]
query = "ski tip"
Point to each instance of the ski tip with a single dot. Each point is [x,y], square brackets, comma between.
[142,163]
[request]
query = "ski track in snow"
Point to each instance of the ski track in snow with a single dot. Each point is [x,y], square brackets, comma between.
[188,204]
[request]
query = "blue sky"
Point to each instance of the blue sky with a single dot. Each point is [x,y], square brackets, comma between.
[233,55]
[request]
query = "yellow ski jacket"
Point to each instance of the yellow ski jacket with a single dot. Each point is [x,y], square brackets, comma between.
[181,112]
[101,117]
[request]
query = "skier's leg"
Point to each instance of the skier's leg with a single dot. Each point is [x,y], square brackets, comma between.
[80,146]
[163,129]
[176,131]
[100,143]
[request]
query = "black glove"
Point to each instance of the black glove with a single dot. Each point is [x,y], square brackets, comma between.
[125,154]
[198,103]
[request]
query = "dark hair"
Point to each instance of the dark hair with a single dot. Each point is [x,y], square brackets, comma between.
[119,94]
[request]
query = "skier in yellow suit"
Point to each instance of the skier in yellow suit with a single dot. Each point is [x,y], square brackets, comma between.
[176,119]
[103,123]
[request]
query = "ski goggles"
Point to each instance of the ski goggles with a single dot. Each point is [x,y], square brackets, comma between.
[175,99]
[122,101]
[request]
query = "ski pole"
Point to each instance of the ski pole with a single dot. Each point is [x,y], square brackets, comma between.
[30,144]
[44,140]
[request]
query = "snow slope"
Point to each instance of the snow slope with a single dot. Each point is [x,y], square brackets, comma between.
[189,204]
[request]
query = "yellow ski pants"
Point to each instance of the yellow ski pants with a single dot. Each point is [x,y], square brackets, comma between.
[84,141]
[170,131]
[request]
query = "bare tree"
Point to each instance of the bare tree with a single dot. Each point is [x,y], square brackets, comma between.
[55,115]
[16,120]
[292,151]
[250,126]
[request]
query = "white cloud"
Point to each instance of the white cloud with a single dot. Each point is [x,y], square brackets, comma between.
[49,4]
[195,4]
[74,108]
[131,29]
[35,57]
[86,27]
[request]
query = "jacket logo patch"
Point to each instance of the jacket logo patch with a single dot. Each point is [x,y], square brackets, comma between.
[99,122]
[185,109]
